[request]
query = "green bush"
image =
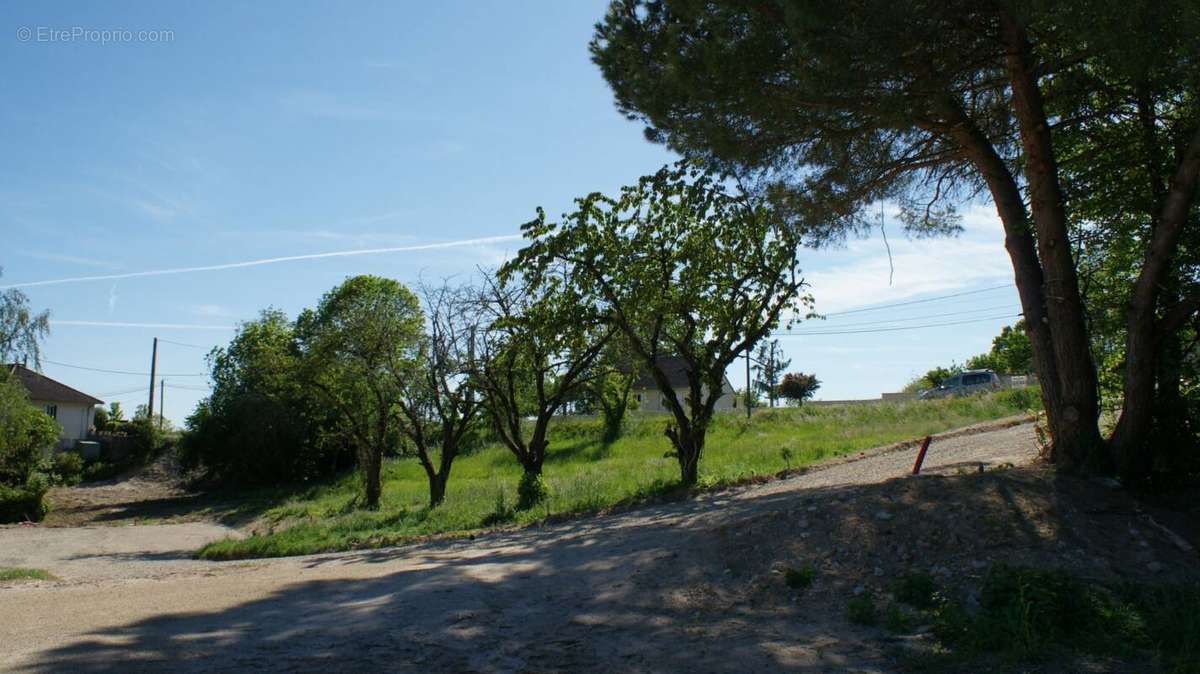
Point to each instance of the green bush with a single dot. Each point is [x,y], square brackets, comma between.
[99,470]
[861,611]
[68,468]
[25,503]
[1027,398]
[799,579]
[531,491]
[25,433]
[915,589]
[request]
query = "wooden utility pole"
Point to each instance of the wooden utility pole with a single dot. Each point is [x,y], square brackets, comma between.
[162,392]
[153,372]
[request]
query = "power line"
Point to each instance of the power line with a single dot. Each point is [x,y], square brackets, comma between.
[838,326]
[906,327]
[193,346]
[143,374]
[121,393]
[923,301]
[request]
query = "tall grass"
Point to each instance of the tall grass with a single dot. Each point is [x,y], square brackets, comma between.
[585,474]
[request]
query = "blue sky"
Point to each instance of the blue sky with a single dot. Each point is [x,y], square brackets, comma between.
[266,130]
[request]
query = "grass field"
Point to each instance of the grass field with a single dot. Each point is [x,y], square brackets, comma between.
[585,475]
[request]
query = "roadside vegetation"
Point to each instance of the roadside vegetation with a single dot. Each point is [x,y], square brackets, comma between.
[584,474]
[15,574]
[1027,615]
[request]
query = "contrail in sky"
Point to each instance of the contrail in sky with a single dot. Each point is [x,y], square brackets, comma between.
[265,261]
[157,326]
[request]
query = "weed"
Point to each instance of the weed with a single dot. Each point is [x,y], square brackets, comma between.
[799,579]
[915,589]
[8,574]
[861,611]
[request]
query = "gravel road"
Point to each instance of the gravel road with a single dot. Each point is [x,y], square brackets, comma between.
[627,592]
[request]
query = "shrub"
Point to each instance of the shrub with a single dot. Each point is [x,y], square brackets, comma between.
[68,468]
[861,611]
[799,579]
[915,589]
[1027,398]
[531,491]
[99,470]
[24,503]
[25,433]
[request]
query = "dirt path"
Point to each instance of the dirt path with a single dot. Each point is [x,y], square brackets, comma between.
[643,591]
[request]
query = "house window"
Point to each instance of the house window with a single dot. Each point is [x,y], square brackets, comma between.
[639,397]
[52,410]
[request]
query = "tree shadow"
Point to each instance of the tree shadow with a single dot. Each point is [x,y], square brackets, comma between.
[680,586]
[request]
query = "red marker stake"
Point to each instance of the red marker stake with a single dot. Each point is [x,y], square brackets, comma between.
[921,454]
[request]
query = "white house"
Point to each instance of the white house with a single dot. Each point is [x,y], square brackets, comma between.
[74,410]
[650,399]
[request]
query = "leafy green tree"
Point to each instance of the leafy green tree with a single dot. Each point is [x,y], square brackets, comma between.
[830,107]
[538,350]
[798,387]
[260,424]
[361,333]
[439,401]
[681,267]
[1011,352]
[21,329]
[769,367]
[609,389]
[25,433]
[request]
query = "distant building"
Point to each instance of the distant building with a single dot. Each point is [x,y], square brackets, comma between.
[650,399]
[74,410]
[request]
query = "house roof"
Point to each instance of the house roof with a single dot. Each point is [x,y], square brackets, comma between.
[674,367]
[41,387]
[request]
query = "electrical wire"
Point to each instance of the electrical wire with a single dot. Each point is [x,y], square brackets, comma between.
[906,327]
[994,308]
[171,341]
[922,301]
[143,374]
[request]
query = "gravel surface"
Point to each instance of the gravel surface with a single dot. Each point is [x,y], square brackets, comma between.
[637,592]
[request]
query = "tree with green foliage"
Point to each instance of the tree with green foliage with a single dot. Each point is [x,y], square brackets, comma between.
[797,387]
[830,107]
[769,365]
[26,432]
[681,267]
[21,329]
[609,391]
[439,401]
[1011,352]
[361,333]
[260,424]
[538,350]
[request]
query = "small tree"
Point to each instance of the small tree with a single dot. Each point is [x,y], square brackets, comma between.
[769,367]
[539,347]
[798,387]
[438,400]
[362,332]
[25,432]
[680,267]
[609,390]
[21,330]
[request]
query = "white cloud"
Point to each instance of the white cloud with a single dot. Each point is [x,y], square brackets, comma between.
[858,275]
